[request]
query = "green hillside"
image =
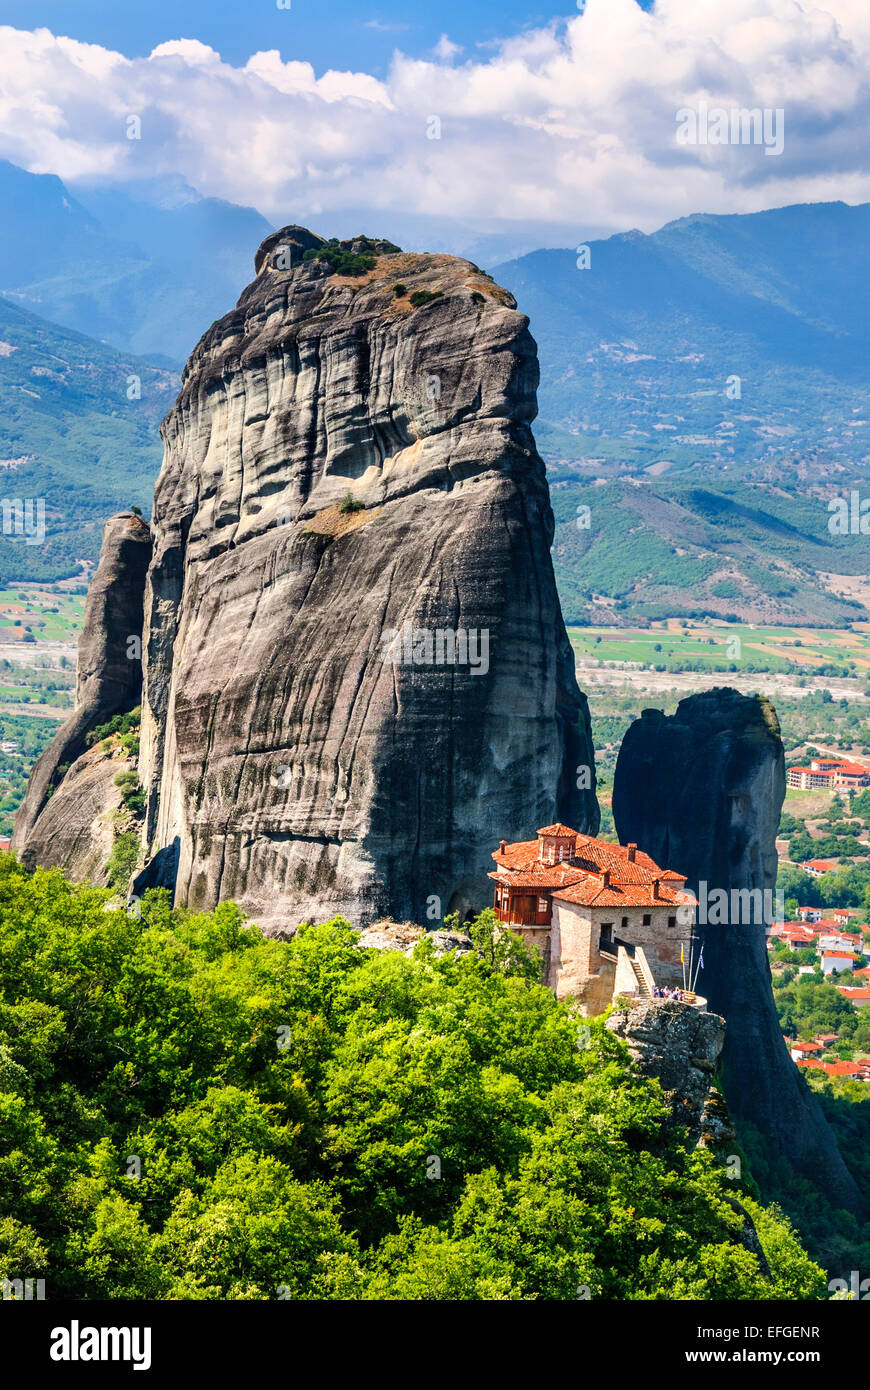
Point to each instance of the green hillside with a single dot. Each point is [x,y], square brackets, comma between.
[653,548]
[704,390]
[71,434]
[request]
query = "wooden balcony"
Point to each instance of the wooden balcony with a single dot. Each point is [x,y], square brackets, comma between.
[523,911]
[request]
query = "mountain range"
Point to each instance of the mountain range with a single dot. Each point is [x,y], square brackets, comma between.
[703,389]
[704,394]
[145,268]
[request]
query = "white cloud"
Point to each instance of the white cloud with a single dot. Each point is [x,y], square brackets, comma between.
[572,123]
[445,49]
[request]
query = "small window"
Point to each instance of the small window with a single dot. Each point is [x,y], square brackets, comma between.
[624,923]
[672,921]
[646,919]
[542,904]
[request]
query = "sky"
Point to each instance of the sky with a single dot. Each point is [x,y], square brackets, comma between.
[326,33]
[563,120]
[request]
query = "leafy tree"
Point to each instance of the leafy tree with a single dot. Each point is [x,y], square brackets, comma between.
[188,1110]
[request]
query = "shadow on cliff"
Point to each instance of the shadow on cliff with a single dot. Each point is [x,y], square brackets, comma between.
[702,791]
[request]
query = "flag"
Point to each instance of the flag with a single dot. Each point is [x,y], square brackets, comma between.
[681,953]
[701,961]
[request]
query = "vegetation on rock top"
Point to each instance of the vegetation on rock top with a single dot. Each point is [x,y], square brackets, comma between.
[354,257]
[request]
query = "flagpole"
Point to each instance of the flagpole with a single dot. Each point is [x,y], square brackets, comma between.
[698,968]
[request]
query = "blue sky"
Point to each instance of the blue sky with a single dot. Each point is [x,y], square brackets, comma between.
[337,33]
[449,123]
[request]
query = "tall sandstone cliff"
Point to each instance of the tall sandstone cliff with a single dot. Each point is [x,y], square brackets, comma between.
[351,458]
[702,790]
[65,820]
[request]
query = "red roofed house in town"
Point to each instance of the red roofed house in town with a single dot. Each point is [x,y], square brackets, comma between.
[818,867]
[843,915]
[800,1050]
[851,775]
[829,773]
[807,778]
[810,914]
[796,934]
[603,916]
[859,1071]
[836,960]
[856,995]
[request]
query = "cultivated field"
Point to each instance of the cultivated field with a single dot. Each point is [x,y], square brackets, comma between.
[729,647]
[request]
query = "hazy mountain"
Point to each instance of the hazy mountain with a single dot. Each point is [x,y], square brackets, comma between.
[639,348]
[145,267]
[74,433]
[703,389]
[711,381]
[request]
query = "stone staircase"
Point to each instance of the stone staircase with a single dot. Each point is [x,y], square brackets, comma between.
[643,988]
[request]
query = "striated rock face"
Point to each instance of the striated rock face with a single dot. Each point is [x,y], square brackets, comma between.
[702,790]
[63,822]
[679,1045]
[290,765]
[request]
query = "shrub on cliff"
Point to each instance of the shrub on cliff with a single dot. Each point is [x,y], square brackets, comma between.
[188,1110]
[341,261]
[421,297]
[123,858]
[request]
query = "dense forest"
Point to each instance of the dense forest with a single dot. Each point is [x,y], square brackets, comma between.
[188,1110]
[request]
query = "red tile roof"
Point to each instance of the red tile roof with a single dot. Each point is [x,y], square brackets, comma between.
[580,879]
[836,1068]
[593,892]
[545,876]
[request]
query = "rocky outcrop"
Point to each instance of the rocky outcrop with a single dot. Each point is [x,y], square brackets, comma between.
[349,472]
[63,821]
[680,1046]
[356,674]
[404,936]
[702,790]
